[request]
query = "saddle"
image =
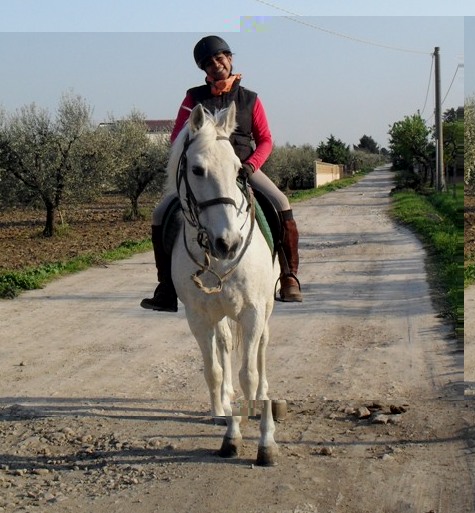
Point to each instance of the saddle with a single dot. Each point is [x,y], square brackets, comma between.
[267,218]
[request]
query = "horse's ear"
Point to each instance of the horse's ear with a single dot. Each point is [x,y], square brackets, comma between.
[228,119]
[197,118]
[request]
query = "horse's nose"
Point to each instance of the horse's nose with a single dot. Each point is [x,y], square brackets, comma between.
[226,248]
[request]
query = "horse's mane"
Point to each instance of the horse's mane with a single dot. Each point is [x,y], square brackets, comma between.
[206,135]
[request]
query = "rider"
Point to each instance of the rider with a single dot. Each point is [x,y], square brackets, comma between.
[252,143]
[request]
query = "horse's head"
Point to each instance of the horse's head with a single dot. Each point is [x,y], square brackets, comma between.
[204,167]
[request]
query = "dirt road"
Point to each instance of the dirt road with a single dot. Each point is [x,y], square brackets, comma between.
[104,406]
[469,354]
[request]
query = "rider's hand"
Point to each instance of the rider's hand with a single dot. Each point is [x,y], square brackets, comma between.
[246,171]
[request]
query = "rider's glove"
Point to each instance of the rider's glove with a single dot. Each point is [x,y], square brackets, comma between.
[246,171]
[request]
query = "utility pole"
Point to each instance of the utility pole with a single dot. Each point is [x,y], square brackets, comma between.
[439,133]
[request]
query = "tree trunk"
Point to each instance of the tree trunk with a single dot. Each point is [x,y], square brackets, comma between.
[135,208]
[49,226]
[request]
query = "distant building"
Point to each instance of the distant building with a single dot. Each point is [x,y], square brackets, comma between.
[158,129]
[160,125]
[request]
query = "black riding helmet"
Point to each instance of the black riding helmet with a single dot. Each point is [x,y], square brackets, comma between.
[208,47]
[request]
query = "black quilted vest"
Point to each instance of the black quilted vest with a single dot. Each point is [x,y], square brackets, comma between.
[241,139]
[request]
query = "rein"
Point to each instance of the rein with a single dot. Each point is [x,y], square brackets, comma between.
[192,213]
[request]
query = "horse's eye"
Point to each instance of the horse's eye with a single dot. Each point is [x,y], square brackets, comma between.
[198,170]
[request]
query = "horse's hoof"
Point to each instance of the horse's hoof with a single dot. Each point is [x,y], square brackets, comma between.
[230,447]
[267,456]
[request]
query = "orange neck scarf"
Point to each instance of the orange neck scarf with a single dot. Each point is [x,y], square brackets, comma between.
[222,86]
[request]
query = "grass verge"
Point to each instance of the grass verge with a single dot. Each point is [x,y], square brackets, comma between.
[469,273]
[437,218]
[13,282]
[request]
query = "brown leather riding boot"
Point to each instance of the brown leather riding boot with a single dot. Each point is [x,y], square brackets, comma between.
[289,259]
[164,298]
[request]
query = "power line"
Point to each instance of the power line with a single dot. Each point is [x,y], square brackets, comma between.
[428,85]
[452,82]
[295,18]
[448,90]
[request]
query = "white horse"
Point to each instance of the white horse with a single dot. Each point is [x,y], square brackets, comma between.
[223,270]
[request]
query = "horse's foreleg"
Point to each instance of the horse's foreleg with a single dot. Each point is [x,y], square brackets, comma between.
[253,324]
[214,378]
[225,346]
[254,382]
[249,375]
[267,451]
[263,386]
[205,336]
[232,439]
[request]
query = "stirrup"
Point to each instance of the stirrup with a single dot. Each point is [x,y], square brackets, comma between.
[291,293]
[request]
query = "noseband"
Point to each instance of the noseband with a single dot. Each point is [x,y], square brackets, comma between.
[192,214]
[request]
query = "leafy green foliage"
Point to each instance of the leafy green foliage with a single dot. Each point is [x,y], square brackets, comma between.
[366,161]
[40,152]
[469,274]
[469,137]
[140,161]
[410,145]
[367,144]
[334,151]
[64,159]
[291,167]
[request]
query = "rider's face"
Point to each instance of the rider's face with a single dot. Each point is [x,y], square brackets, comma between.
[219,66]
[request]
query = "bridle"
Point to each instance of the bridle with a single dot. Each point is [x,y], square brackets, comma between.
[192,216]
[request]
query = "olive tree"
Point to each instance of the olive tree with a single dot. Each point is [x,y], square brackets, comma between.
[291,167]
[47,154]
[140,159]
[363,160]
[12,191]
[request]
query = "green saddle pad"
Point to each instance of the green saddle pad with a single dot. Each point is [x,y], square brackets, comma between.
[261,220]
[264,226]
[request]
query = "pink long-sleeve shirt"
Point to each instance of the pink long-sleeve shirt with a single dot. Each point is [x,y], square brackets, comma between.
[260,130]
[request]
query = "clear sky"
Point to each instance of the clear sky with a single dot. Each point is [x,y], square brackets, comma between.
[470,55]
[320,68]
